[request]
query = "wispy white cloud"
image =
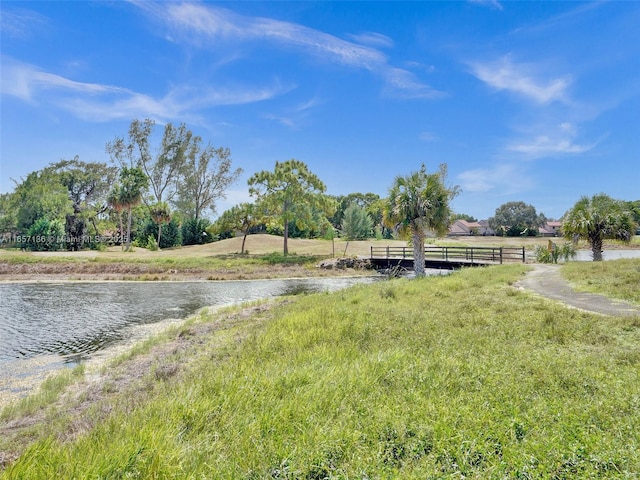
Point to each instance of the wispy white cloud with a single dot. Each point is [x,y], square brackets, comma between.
[428,137]
[403,84]
[556,141]
[373,39]
[26,81]
[99,102]
[523,79]
[505,178]
[21,23]
[494,4]
[294,116]
[205,25]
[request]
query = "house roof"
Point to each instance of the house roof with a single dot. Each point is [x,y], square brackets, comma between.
[469,224]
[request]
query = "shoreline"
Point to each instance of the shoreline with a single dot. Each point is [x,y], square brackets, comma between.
[72,271]
[350,274]
[126,367]
[28,375]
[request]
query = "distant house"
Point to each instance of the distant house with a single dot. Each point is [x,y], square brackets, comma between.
[461,228]
[485,229]
[551,229]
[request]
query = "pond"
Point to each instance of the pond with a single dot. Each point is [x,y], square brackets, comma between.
[49,326]
[586,255]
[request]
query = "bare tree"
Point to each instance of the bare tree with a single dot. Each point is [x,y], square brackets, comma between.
[207,174]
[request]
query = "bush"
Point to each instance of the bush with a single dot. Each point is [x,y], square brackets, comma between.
[194,232]
[45,235]
[171,234]
[563,252]
[357,223]
[152,244]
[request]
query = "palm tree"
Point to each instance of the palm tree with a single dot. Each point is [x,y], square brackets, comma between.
[115,201]
[160,213]
[133,184]
[596,219]
[419,202]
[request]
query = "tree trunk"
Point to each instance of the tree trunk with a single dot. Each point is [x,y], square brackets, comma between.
[129,230]
[596,249]
[286,227]
[418,252]
[121,231]
[244,239]
[286,237]
[159,233]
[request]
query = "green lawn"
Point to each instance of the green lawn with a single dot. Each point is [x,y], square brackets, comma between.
[461,376]
[615,278]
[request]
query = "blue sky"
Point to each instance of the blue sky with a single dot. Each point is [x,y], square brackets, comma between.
[524,101]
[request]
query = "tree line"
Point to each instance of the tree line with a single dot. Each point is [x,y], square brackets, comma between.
[161,197]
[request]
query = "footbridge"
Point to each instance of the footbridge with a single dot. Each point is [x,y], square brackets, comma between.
[446,258]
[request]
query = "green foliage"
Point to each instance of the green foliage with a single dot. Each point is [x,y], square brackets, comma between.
[368,383]
[634,209]
[151,243]
[554,253]
[171,234]
[45,235]
[613,278]
[242,218]
[369,201]
[291,193]
[133,183]
[356,223]
[160,214]
[419,202]
[87,184]
[276,258]
[8,210]
[596,219]
[514,219]
[194,232]
[463,216]
[40,196]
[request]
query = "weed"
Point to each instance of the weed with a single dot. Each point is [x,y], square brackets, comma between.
[465,380]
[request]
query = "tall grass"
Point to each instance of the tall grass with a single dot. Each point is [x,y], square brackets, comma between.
[615,278]
[461,376]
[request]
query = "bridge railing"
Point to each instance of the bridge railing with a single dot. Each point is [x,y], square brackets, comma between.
[446,254]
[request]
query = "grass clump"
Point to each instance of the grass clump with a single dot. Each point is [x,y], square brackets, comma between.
[49,391]
[276,258]
[615,278]
[461,376]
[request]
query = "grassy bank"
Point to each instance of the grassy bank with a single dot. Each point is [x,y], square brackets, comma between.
[214,261]
[219,260]
[615,278]
[461,376]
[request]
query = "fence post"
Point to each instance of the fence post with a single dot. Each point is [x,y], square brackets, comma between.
[387,251]
[371,251]
[524,260]
[500,255]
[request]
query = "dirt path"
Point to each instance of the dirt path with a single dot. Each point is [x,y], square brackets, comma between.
[546,280]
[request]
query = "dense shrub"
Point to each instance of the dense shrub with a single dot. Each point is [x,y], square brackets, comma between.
[194,231]
[45,235]
[171,234]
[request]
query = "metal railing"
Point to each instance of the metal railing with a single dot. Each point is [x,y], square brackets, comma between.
[455,254]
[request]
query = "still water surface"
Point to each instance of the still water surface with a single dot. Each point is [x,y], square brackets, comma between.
[46,326]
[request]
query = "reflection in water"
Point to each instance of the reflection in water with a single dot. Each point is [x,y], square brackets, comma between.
[45,326]
[81,318]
